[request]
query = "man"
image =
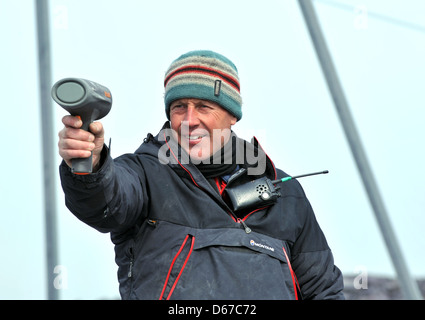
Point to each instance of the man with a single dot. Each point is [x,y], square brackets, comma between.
[167,207]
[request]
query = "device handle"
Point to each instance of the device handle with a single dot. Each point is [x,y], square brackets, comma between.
[83,166]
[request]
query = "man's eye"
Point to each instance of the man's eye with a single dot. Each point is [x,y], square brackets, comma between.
[177,106]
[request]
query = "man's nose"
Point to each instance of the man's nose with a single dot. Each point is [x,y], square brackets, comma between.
[191,116]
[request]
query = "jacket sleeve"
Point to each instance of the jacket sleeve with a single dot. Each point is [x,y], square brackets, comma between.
[102,199]
[312,260]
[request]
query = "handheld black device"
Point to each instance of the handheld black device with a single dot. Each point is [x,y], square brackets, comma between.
[258,193]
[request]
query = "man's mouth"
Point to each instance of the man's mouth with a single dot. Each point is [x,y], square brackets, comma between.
[194,138]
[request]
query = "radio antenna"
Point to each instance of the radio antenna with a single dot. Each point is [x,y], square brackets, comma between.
[299,176]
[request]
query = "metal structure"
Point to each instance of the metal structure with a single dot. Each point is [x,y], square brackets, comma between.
[408,285]
[49,167]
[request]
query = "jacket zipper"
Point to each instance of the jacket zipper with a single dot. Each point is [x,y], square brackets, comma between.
[183,245]
[130,255]
[247,229]
[130,269]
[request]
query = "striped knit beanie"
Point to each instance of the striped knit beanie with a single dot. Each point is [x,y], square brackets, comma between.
[204,75]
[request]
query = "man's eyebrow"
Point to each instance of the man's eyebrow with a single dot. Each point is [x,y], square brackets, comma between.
[204,103]
[177,102]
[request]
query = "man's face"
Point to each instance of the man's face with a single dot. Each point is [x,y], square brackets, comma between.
[202,127]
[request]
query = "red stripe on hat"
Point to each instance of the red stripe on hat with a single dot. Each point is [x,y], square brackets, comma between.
[206,71]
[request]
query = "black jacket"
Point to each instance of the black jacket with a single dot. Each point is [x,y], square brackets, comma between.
[176,238]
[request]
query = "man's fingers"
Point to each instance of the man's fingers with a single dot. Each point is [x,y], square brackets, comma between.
[71,121]
[76,134]
[75,123]
[70,149]
[78,143]
[97,129]
[68,154]
[73,144]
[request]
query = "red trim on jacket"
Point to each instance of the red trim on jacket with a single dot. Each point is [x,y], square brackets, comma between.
[221,184]
[294,277]
[181,270]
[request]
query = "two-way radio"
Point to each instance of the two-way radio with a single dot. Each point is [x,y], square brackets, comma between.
[259,192]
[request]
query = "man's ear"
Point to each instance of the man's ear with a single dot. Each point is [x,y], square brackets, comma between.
[233,121]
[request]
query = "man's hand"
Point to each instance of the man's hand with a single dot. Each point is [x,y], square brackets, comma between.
[77,143]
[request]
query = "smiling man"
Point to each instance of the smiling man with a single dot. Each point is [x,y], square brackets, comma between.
[167,209]
[201,127]
[203,101]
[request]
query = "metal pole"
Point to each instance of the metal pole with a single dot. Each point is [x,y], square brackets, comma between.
[49,169]
[408,285]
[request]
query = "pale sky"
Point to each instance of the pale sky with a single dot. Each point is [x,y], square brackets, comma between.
[377,46]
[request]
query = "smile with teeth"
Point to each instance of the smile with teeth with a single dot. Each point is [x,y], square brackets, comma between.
[194,137]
